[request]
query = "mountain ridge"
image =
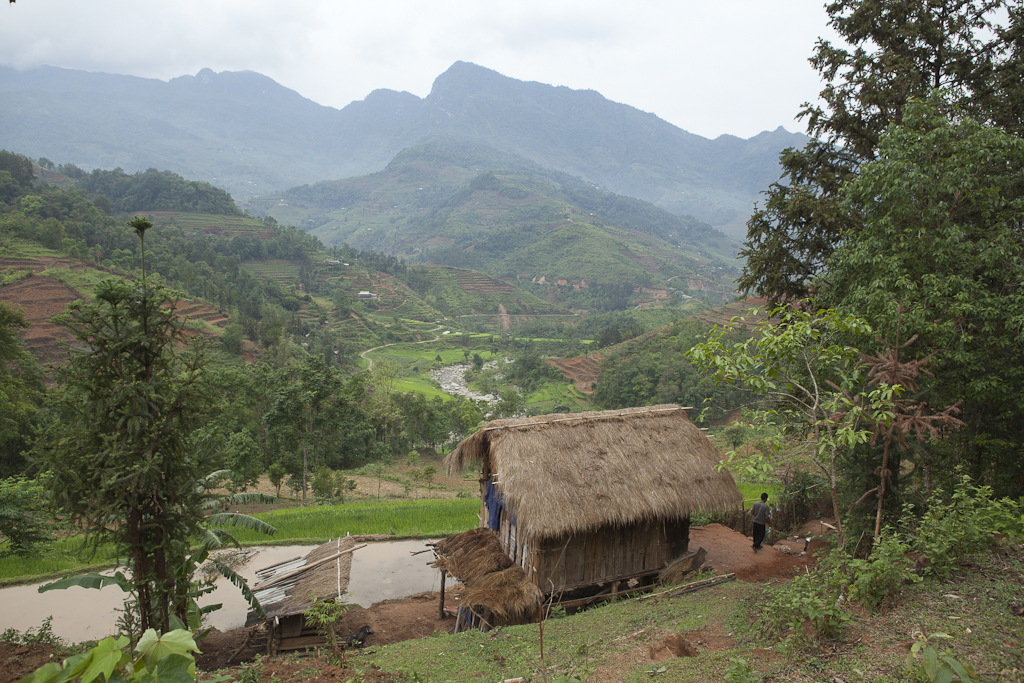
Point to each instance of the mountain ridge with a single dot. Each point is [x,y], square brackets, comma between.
[246,133]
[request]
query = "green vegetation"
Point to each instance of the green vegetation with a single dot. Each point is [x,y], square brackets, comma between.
[906,213]
[655,368]
[888,56]
[82,281]
[154,190]
[166,657]
[404,519]
[900,381]
[126,412]
[20,398]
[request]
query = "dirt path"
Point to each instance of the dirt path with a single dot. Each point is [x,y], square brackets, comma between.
[504,320]
[369,361]
[731,551]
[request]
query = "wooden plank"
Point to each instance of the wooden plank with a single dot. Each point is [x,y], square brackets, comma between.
[678,590]
[606,580]
[579,602]
[301,643]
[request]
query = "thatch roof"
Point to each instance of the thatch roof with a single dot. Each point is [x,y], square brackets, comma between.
[328,580]
[488,576]
[575,473]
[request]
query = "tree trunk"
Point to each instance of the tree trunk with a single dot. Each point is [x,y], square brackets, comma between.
[305,462]
[881,486]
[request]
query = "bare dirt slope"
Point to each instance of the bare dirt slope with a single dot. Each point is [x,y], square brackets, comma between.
[41,298]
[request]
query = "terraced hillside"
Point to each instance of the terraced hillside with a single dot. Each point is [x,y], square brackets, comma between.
[463,292]
[723,314]
[209,224]
[582,370]
[200,310]
[41,298]
[478,283]
[283,271]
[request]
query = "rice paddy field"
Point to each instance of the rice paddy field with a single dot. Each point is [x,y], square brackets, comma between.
[286,273]
[210,224]
[428,518]
[402,519]
[66,556]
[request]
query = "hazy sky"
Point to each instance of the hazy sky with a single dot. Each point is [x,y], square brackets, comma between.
[734,66]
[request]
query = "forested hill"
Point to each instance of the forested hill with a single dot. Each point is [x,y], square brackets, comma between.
[556,235]
[151,190]
[249,135]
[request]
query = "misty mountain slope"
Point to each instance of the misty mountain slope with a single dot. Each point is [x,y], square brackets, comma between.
[248,134]
[452,203]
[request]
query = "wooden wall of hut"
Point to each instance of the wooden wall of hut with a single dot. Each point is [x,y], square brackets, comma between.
[606,555]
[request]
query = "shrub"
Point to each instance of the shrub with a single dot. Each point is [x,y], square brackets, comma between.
[25,520]
[323,484]
[811,605]
[157,658]
[880,578]
[950,531]
[325,614]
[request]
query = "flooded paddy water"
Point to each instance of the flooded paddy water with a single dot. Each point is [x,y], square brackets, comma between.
[380,571]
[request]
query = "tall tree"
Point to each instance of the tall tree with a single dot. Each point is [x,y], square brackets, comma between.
[942,240]
[813,382]
[897,50]
[20,390]
[313,415]
[126,402]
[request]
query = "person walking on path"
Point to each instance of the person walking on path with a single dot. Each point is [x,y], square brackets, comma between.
[762,516]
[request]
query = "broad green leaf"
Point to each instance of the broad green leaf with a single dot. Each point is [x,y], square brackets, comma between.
[74,666]
[931,662]
[106,657]
[153,648]
[44,674]
[92,580]
[958,668]
[175,622]
[174,668]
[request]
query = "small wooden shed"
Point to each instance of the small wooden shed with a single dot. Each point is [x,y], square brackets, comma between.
[286,590]
[584,500]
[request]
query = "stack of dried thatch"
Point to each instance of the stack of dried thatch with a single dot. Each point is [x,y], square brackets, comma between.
[492,584]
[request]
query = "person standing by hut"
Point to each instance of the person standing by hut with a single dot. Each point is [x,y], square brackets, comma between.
[762,516]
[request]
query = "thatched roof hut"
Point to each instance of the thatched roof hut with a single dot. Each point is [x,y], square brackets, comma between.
[583,499]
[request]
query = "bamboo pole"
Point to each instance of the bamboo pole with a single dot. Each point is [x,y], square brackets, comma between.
[677,590]
[305,569]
